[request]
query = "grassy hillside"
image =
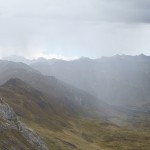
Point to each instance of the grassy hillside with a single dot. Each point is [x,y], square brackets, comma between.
[95,135]
[63,130]
[12,139]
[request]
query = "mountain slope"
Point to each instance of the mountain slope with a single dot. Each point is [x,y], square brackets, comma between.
[48,119]
[71,99]
[64,130]
[32,104]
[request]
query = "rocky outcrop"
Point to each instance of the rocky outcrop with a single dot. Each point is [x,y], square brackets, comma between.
[9,120]
[6,112]
[32,137]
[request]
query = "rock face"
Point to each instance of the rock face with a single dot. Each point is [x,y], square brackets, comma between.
[9,120]
[6,112]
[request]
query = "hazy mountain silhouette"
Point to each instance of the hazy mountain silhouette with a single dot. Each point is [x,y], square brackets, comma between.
[119,80]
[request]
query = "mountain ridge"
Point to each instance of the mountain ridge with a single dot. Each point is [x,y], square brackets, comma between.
[118,80]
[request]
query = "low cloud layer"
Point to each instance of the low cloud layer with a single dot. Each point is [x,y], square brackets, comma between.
[67,28]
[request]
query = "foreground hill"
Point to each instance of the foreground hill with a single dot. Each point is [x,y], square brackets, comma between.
[119,80]
[14,133]
[28,102]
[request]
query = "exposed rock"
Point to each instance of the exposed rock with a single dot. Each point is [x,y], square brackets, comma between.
[11,121]
[32,136]
[6,112]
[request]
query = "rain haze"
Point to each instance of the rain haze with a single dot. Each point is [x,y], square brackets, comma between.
[74,75]
[68,29]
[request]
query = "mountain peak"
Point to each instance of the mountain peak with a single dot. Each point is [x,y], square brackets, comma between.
[16,58]
[14,82]
[82,59]
[142,55]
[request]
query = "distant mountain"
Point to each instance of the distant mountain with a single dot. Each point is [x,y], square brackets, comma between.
[70,98]
[119,80]
[15,58]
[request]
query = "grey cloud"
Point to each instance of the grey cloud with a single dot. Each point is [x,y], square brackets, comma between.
[90,10]
[74,27]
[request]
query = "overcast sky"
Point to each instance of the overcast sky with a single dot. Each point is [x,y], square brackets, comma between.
[74,28]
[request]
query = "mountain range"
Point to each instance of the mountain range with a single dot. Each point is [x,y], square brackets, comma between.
[118,80]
